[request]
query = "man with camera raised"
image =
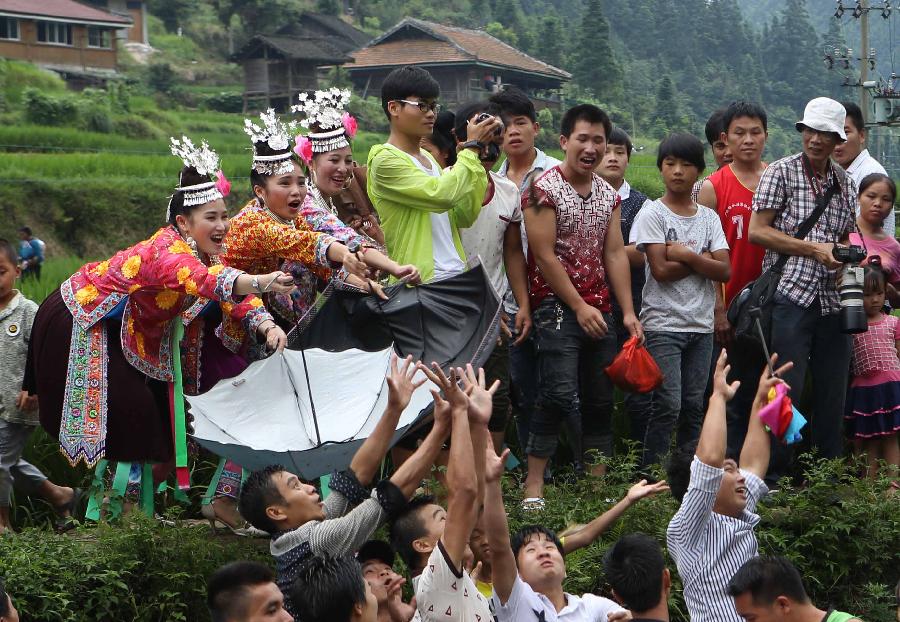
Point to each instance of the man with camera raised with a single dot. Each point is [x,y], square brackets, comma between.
[808,188]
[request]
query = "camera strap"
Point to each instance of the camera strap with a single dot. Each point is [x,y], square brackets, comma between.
[822,201]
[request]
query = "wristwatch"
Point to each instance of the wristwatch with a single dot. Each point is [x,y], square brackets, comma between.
[472,144]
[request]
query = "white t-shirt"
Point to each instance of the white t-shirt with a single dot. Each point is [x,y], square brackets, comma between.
[485,237]
[445,593]
[685,305]
[526,604]
[447,261]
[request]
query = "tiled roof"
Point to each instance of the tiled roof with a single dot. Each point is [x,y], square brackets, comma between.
[62,9]
[312,49]
[436,43]
[315,38]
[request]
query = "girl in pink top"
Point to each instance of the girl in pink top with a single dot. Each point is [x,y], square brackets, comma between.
[877,194]
[873,402]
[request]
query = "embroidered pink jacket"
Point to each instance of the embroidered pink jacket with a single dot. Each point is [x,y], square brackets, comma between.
[162,279]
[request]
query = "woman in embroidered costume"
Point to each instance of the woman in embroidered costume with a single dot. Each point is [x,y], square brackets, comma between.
[103,345]
[326,151]
[283,227]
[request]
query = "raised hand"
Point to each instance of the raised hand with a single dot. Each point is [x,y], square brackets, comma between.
[494,465]
[481,399]
[721,386]
[768,381]
[448,386]
[643,489]
[401,382]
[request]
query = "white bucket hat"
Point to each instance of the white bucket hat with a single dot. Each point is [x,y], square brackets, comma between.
[825,115]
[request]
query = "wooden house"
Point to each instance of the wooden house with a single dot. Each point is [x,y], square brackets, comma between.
[278,66]
[135,10]
[71,38]
[468,64]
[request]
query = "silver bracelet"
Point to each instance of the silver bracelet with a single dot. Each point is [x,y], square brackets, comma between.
[254,283]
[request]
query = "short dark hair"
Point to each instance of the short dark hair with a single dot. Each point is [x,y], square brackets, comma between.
[715,125]
[618,136]
[855,113]
[326,589]
[634,567]
[514,103]
[874,178]
[8,250]
[226,590]
[740,109]
[4,599]
[257,494]
[407,528]
[408,81]
[524,535]
[767,578]
[684,146]
[584,112]
[25,230]
[678,468]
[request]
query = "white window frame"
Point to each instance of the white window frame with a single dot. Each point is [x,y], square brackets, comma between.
[101,32]
[10,21]
[55,28]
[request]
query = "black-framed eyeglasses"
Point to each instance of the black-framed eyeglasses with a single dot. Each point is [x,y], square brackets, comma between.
[422,106]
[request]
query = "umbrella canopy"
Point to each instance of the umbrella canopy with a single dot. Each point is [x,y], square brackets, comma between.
[311,407]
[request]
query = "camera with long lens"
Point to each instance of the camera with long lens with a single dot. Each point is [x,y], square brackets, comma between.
[853,315]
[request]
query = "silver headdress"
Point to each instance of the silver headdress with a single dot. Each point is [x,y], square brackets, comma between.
[277,136]
[326,113]
[206,162]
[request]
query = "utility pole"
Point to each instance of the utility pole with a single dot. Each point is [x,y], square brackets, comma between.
[864,48]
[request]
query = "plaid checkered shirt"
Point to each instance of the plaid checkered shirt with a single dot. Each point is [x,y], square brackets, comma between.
[786,189]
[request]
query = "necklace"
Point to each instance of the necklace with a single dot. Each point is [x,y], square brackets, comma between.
[276,217]
[318,198]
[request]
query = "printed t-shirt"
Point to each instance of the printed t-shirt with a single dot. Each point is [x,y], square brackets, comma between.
[444,592]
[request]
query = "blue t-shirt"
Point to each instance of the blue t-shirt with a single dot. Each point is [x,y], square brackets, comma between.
[29,249]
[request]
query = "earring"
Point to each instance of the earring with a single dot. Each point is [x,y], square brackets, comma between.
[349,182]
[192,243]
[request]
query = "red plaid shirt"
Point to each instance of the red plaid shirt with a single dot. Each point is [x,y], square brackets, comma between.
[785,188]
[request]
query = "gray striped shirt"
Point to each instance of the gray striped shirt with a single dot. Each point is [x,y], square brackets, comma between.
[708,547]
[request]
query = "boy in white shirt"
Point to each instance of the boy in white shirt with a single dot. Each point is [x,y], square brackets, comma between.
[686,253]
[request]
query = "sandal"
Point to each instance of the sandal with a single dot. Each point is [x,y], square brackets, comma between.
[62,524]
[533,504]
[217,524]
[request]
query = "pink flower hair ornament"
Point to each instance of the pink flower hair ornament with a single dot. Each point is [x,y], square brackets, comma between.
[303,148]
[222,183]
[349,123]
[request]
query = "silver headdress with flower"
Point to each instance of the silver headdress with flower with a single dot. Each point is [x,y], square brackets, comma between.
[277,135]
[206,162]
[325,113]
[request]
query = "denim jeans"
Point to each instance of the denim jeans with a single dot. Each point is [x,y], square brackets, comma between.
[523,383]
[815,342]
[683,359]
[573,387]
[13,469]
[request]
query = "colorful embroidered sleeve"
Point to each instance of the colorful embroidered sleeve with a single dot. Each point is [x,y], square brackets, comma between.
[300,243]
[242,321]
[178,270]
[323,221]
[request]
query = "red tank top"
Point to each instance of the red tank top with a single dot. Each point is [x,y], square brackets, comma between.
[735,205]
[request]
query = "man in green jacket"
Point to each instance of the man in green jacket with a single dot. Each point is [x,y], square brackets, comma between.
[422,207]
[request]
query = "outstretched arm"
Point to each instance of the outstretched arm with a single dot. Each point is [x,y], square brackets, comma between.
[714,435]
[503,562]
[462,482]
[757,446]
[401,386]
[409,474]
[599,525]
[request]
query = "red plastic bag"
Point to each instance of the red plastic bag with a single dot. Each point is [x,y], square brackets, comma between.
[634,369]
